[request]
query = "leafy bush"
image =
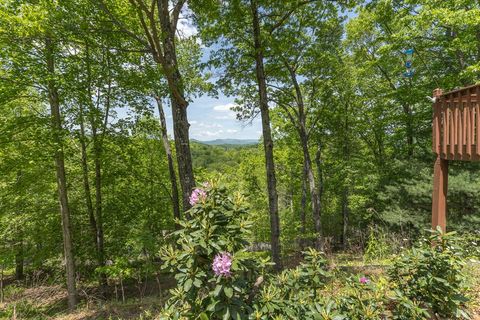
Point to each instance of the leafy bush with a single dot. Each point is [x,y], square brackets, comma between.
[431,276]
[363,300]
[216,277]
[378,246]
[293,292]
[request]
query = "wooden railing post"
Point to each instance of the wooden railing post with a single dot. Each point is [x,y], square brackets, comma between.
[439,198]
[440,179]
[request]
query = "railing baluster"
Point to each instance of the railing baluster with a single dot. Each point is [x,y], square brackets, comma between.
[445,124]
[477,122]
[453,126]
[460,122]
[468,123]
[436,126]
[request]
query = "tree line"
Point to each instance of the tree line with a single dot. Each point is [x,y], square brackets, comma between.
[345,135]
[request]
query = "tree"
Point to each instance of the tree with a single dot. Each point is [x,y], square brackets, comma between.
[155,31]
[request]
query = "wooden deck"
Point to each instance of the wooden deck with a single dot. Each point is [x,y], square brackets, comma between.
[456,124]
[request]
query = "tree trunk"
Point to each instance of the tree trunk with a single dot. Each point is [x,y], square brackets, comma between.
[345,215]
[307,161]
[318,163]
[303,210]
[313,192]
[267,139]
[86,182]
[1,283]
[178,102]
[99,206]
[61,176]
[346,159]
[19,275]
[168,152]
[97,156]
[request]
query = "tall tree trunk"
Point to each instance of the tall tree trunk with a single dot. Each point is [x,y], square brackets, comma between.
[313,191]
[99,204]
[61,176]
[307,161]
[18,245]
[86,182]
[346,159]
[168,152]
[345,215]
[97,156]
[1,282]
[19,258]
[161,44]
[303,209]
[178,101]
[267,139]
[318,163]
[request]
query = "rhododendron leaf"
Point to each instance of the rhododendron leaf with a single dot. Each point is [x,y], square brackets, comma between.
[187,285]
[228,292]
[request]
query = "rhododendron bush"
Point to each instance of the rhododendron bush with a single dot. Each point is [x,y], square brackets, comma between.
[218,279]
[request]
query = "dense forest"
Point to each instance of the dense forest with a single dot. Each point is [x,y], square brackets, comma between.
[103,191]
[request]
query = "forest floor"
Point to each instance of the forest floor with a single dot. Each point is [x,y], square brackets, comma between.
[48,302]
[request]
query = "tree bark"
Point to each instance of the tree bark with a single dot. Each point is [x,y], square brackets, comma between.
[168,152]
[1,282]
[97,156]
[178,101]
[56,121]
[307,161]
[346,158]
[267,138]
[303,209]
[161,44]
[345,215]
[19,275]
[86,182]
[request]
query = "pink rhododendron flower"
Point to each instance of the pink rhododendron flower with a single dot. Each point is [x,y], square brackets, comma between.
[221,264]
[364,280]
[197,195]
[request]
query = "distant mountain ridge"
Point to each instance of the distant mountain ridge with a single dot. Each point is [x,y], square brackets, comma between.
[236,142]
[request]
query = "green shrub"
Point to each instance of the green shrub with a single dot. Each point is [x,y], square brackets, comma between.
[294,292]
[216,226]
[378,246]
[363,300]
[431,276]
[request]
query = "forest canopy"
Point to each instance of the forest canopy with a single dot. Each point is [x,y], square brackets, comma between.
[97,160]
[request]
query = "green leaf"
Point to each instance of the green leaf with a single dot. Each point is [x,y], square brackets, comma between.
[228,292]
[187,285]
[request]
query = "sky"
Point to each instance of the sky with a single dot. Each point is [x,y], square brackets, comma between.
[212,119]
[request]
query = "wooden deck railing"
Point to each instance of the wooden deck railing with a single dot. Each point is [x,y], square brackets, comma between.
[456,124]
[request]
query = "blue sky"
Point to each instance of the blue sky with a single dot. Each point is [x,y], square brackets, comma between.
[211,119]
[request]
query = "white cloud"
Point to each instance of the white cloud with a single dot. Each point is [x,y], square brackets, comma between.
[193,122]
[224,107]
[212,133]
[185,28]
[229,117]
[232,131]
[209,125]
